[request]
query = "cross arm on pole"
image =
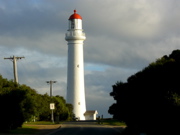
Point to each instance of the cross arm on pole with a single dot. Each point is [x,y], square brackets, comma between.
[51,82]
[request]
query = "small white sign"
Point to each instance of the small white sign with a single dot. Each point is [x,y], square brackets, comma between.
[52,106]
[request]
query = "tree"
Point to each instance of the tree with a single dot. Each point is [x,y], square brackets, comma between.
[62,110]
[30,103]
[21,103]
[150,97]
[71,115]
[44,110]
[11,114]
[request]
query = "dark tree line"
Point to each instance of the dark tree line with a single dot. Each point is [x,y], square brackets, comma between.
[149,102]
[20,103]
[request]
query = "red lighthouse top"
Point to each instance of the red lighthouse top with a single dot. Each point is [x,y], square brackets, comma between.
[75,16]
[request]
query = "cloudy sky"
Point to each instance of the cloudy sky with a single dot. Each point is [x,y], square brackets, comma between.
[123,37]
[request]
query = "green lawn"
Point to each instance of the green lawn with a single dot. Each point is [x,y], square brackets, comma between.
[25,130]
[39,123]
[28,129]
[113,122]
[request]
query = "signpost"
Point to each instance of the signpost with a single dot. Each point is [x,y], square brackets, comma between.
[52,107]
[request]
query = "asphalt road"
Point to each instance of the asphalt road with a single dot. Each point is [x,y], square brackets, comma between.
[87,128]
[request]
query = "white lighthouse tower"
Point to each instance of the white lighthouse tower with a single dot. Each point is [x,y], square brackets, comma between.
[75,75]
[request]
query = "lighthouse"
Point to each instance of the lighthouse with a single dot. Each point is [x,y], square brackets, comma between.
[75,73]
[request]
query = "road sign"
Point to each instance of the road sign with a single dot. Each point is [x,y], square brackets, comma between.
[52,106]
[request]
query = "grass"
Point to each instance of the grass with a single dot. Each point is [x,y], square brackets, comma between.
[39,123]
[113,122]
[25,130]
[30,127]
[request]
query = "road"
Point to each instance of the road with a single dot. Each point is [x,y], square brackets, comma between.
[87,128]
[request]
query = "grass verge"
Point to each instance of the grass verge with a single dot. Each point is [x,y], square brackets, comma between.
[25,130]
[34,127]
[112,122]
[39,123]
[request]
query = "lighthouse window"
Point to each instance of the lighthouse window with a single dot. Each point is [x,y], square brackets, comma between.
[77,65]
[72,24]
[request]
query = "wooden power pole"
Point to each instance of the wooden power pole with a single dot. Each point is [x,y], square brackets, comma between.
[51,82]
[14,60]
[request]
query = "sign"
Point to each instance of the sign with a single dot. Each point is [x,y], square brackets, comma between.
[52,106]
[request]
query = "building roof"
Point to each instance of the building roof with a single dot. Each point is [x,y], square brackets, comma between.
[91,112]
[75,16]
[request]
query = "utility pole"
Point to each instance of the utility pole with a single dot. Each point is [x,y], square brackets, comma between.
[14,60]
[51,82]
[51,104]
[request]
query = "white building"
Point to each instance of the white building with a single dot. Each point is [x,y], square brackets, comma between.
[75,76]
[91,115]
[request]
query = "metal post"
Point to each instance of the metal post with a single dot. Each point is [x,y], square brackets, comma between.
[50,88]
[51,82]
[52,117]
